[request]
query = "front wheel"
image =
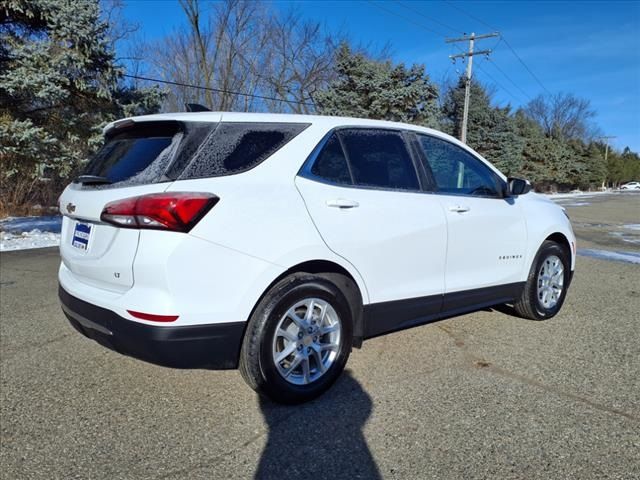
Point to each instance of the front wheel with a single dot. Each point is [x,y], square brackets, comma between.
[298,340]
[547,283]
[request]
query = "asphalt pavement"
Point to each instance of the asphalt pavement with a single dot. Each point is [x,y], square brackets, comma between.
[481,396]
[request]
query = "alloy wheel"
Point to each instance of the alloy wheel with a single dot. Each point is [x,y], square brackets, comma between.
[550,281]
[307,341]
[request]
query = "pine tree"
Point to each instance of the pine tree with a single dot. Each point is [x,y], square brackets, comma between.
[590,159]
[59,85]
[491,130]
[546,162]
[622,167]
[368,88]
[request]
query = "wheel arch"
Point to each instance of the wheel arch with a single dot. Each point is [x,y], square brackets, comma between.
[561,240]
[342,278]
[558,234]
[568,246]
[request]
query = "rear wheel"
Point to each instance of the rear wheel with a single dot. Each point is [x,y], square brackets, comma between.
[547,283]
[298,339]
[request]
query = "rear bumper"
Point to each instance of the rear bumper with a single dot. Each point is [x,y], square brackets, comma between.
[213,346]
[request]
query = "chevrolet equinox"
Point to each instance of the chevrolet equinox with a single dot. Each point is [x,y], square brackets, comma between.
[276,243]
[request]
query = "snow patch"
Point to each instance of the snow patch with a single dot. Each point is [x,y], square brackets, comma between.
[625,237]
[632,226]
[27,240]
[574,194]
[575,204]
[628,257]
[21,233]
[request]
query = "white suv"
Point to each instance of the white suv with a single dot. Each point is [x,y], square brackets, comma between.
[276,243]
[630,186]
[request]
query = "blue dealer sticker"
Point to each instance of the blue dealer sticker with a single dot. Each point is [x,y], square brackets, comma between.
[81,235]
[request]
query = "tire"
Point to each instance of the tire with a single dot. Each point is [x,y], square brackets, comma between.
[325,354]
[531,304]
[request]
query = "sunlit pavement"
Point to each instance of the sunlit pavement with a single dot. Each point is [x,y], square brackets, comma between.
[480,396]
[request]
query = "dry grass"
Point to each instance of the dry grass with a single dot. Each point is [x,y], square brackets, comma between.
[7,210]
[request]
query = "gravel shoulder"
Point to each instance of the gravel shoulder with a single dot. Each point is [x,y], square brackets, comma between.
[605,221]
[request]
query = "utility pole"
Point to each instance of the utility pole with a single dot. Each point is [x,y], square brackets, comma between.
[606,139]
[467,89]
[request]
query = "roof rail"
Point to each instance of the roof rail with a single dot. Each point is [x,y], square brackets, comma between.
[195,107]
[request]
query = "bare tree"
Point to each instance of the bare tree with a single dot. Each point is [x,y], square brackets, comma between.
[210,52]
[300,63]
[238,49]
[563,116]
[119,28]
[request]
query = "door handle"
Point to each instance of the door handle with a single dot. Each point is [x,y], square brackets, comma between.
[342,203]
[459,209]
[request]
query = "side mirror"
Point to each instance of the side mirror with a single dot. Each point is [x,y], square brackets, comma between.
[518,186]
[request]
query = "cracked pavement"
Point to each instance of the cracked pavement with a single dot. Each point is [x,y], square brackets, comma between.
[485,395]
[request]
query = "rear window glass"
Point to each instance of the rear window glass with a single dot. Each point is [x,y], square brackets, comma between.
[237,147]
[156,152]
[137,154]
[331,164]
[379,158]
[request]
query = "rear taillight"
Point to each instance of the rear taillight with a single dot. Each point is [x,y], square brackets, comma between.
[176,212]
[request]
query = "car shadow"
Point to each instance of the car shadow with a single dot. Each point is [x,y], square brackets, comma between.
[321,439]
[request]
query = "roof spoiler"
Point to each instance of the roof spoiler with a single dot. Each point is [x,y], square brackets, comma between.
[195,107]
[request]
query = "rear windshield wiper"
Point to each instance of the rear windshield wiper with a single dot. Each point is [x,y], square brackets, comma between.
[91,180]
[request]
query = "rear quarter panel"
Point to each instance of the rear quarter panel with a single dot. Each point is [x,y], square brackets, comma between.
[261,213]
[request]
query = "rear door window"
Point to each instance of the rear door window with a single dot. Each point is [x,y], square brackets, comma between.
[236,147]
[331,164]
[379,158]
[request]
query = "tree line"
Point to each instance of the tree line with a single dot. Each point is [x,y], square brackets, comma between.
[61,81]
[552,141]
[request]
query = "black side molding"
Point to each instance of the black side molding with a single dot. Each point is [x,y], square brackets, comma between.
[387,317]
[461,302]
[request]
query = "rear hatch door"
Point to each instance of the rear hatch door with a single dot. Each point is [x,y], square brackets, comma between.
[137,158]
[97,253]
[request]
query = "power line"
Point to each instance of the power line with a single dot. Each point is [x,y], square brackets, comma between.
[509,78]
[219,90]
[497,44]
[492,78]
[525,66]
[473,17]
[406,19]
[427,17]
[467,84]
[506,42]
[419,25]
[484,71]
[502,87]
